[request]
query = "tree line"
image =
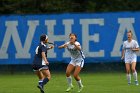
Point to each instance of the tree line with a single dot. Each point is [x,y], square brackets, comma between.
[66,6]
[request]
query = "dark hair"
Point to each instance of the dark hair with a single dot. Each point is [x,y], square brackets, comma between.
[42,37]
[74,35]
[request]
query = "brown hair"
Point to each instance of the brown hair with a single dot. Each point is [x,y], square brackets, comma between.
[43,37]
[74,35]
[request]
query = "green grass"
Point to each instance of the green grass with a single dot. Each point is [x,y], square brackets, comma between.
[93,83]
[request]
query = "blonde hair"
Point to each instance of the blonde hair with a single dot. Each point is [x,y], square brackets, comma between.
[130,32]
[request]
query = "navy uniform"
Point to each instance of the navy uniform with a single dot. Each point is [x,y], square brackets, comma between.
[38,62]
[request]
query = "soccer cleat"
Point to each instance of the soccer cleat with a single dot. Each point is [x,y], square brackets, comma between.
[129,83]
[136,83]
[41,88]
[69,88]
[80,88]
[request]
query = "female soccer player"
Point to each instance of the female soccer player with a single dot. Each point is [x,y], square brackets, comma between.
[77,61]
[130,47]
[40,63]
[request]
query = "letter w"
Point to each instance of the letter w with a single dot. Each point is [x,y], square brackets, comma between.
[12,32]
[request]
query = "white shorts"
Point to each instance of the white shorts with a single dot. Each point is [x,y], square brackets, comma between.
[130,60]
[77,62]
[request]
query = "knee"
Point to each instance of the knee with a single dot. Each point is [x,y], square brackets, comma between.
[128,71]
[49,76]
[75,75]
[133,70]
[40,78]
[67,73]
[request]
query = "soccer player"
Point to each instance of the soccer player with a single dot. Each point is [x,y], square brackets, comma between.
[76,63]
[40,62]
[130,47]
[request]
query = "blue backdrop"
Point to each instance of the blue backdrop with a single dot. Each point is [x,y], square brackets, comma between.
[101,35]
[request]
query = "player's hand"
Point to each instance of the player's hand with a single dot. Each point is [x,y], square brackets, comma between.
[63,46]
[66,45]
[122,58]
[59,46]
[133,49]
[51,47]
[47,63]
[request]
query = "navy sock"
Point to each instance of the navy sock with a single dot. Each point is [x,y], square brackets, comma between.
[40,82]
[45,81]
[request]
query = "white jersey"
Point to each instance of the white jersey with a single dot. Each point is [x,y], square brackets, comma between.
[129,54]
[74,52]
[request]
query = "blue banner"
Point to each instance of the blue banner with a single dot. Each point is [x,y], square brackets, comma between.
[101,35]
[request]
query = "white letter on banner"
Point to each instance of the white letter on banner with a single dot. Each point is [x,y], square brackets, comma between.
[12,32]
[50,25]
[126,24]
[86,37]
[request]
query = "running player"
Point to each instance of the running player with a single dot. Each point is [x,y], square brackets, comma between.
[130,47]
[76,63]
[40,63]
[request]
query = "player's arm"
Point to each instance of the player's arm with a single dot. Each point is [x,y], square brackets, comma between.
[44,49]
[78,47]
[50,47]
[63,46]
[135,49]
[123,51]
[44,57]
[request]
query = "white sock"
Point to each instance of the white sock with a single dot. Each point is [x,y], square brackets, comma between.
[129,78]
[69,79]
[135,76]
[80,83]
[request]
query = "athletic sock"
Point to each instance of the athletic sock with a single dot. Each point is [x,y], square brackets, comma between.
[80,83]
[135,76]
[69,80]
[45,81]
[129,78]
[40,82]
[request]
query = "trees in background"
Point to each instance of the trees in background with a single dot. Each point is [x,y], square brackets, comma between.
[64,6]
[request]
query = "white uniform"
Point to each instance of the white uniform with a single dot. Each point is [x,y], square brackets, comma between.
[130,56]
[77,57]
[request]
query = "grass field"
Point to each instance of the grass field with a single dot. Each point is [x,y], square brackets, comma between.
[93,83]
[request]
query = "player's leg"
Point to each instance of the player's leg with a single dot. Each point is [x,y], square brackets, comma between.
[40,76]
[77,78]
[38,73]
[47,75]
[79,66]
[69,70]
[128,74]
[133,67]
[40,82]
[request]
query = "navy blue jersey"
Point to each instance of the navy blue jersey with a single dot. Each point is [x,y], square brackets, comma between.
[38,60]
